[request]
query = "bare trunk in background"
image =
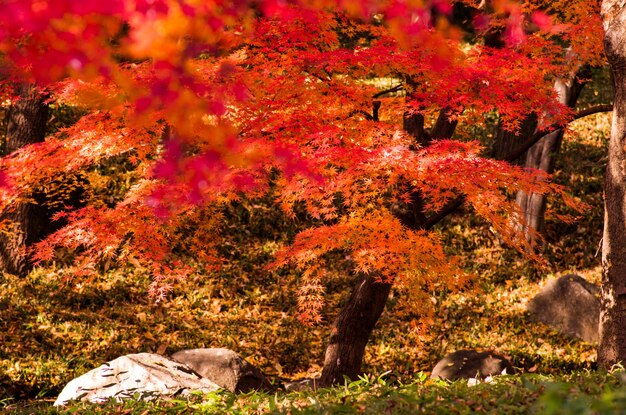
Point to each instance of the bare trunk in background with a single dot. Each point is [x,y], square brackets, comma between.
[612,347]
[26,124]
[542,156]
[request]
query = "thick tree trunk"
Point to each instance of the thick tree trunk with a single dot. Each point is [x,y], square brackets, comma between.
[612,347]
[353,326]
[27,121]
[542,156]
[352,329]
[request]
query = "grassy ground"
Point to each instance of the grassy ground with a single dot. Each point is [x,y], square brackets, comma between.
[54,327]
[577,393]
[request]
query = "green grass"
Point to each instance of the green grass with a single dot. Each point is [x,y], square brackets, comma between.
[577,393]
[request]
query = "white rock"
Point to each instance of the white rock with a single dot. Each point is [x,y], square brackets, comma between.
[146,375]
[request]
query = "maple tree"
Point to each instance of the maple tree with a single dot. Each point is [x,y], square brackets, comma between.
[206,101]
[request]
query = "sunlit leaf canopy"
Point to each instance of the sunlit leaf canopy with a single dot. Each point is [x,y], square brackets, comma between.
[208,100]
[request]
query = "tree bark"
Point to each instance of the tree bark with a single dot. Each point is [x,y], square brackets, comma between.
[353,326]
[612,346]
[542,156]
[507,141]
[352,329]
[27,120]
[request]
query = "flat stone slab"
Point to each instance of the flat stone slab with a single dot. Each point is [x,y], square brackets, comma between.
[142,375]
[226,368]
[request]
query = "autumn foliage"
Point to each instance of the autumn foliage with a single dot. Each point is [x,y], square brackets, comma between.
[205,102]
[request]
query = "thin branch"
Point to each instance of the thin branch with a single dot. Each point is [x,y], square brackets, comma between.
[593,110]
[388,91]
[554,128]
[447,209]
[458,202]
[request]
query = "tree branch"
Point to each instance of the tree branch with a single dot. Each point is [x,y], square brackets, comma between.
[553,128]
[458,202]
[447,209]
[388,91]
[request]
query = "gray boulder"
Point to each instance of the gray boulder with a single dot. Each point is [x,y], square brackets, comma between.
[145,375]
[471,364]
[569,304]
[226,368]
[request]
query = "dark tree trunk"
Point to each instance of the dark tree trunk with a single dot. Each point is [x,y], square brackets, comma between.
[445,125]
[353,326]
[612,347]
[26,124]
[413,122]
[542,156]
[352,329]
[507,142]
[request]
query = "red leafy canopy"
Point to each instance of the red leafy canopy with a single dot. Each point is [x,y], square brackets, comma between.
[206,100]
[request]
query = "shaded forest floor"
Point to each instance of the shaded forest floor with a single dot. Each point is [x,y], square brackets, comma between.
[54,327]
